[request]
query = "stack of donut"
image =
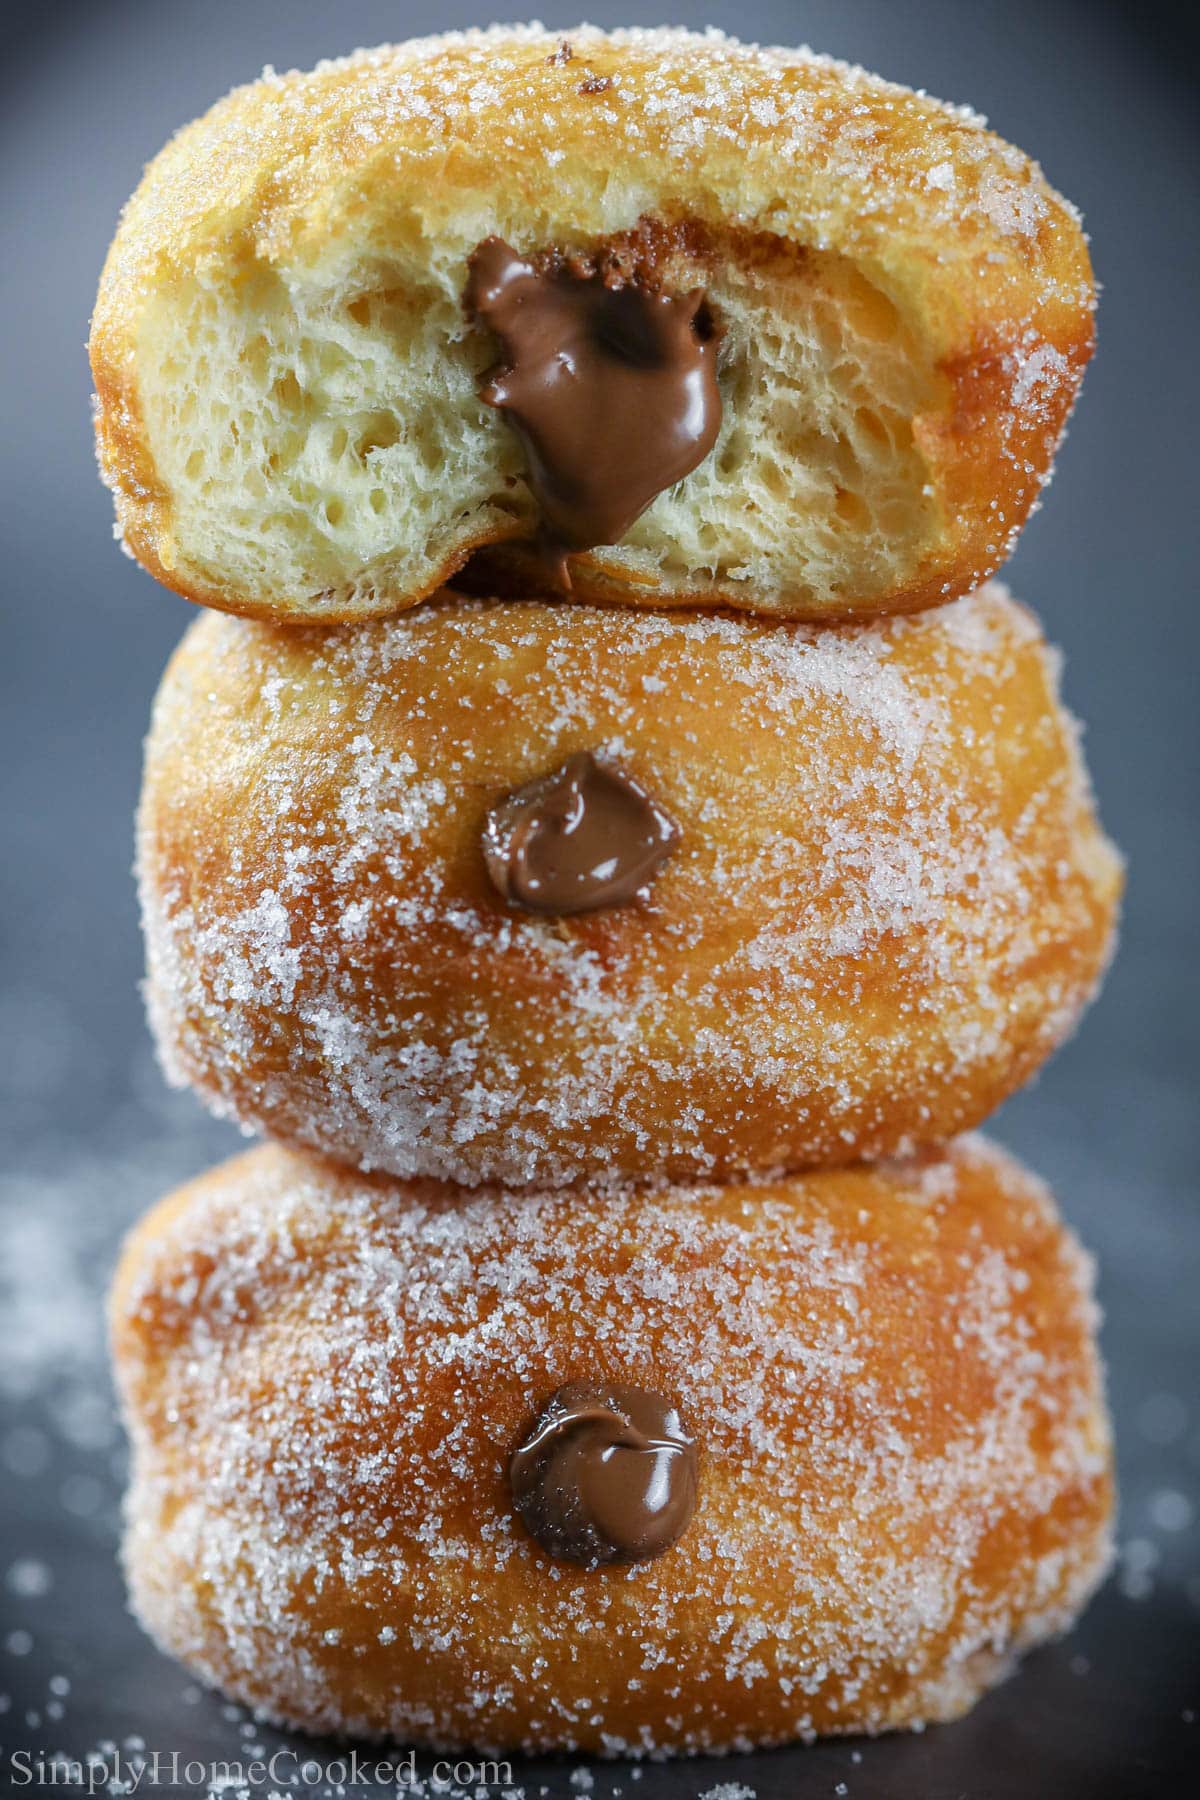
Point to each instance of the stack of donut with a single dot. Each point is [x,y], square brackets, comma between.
[611,837]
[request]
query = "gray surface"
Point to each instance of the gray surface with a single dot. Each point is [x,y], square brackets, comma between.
[1105,96]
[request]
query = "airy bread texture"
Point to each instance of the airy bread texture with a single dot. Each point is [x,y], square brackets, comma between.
[890,901]
[904,1473]
[288,412]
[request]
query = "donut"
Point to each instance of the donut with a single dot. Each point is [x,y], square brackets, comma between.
[654,316]
[845,1432]
[534,894]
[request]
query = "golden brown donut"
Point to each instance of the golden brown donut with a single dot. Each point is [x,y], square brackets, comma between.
[288,413]
[890,1376]
[889,901]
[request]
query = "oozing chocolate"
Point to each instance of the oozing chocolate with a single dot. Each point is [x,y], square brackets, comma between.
[611,387]
[576,840]
[608,1474]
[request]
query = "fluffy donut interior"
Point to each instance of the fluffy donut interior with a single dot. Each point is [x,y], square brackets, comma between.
[316,423]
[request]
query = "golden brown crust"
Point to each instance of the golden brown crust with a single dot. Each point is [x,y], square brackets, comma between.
[904,1456]
[959,230]
[890,902]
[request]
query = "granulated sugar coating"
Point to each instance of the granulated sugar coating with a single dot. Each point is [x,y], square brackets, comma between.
[890,1374]
[889,902]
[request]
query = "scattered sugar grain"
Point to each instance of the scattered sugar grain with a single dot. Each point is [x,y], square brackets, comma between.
[1171,1510]
[29,1578]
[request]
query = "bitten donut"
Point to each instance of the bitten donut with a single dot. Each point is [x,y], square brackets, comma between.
[525,893]
[706,324]
[705,1469]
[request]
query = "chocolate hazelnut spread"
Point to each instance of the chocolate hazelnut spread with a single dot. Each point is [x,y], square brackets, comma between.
[581,838]
[610,385]
[608,1474]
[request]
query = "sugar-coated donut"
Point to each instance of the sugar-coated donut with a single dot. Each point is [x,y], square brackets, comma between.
[874,893]
[888,1377]
[290,414]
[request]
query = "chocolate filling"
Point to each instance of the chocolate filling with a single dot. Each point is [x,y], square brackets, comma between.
[581,838]
[610,385]
[608,1474]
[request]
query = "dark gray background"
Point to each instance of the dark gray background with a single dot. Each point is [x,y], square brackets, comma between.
[1106,97]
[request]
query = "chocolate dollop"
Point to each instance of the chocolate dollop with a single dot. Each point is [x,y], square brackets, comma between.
[608,1474]
[581,838]
[611,387]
